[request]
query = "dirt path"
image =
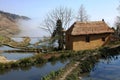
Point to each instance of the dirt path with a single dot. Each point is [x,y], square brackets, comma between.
[72,68]
[115,46]
[69,71]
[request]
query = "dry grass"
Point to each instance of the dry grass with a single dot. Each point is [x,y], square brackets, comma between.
[94,27]
[8,27]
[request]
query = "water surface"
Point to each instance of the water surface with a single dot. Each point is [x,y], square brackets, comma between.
[108,69]
[16,56]
[7,48]
[31,73]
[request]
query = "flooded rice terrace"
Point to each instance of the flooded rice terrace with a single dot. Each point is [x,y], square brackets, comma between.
[31,72]
[108,69]
[16,55]
[105,69]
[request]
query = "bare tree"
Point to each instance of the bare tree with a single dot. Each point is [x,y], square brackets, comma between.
[117,23]
[82,15]
[62,13]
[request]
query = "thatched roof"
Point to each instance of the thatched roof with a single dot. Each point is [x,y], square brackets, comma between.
[94,27]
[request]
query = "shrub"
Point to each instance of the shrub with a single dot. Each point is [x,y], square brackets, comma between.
[53,58]
[25,62]
[39,60]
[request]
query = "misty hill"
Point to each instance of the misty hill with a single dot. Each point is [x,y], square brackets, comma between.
[8,23]
[14,16]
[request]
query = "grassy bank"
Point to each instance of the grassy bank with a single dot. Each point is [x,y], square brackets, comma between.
[12,43]
[55,75]
[87,59]
[88,63]
[37,59]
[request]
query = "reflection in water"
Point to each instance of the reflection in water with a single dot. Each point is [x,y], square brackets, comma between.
[16,56]
[31,73]
[108,69]
[6,48]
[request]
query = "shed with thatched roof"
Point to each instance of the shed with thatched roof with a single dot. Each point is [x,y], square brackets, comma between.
[87,35]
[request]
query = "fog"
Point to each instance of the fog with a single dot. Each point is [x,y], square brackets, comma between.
[30,28]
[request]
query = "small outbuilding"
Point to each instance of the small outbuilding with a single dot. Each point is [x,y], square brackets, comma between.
[88,35]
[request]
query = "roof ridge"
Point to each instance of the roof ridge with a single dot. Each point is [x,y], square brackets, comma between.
[91,27]
[88,21]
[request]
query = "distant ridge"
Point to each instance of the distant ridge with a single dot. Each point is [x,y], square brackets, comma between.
[8,23]
[14,16]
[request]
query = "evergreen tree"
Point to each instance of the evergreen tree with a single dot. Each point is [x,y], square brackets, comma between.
[58,34]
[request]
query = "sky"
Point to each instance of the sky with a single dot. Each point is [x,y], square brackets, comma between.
[37,9]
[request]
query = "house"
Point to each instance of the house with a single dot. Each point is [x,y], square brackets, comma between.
[88,35]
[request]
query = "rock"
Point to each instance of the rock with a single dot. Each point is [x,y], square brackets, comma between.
[4,60]
[80,78]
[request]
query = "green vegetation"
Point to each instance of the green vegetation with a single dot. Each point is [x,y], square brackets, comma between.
[55,75]
[58,35]
[74,74]
[87,59]
[34,60]
[88,63]
[1,38]
[24,62]
[9,42]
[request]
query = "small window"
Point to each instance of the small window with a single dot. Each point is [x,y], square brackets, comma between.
[87,38]
[103,38]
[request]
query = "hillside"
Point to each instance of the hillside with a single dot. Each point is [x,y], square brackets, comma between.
[14,16]
[8,23]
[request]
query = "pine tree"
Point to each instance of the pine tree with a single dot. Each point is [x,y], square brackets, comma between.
[58,34]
